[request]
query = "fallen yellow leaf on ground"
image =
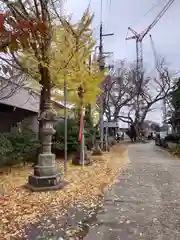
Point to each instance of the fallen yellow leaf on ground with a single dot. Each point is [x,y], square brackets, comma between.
[86,186]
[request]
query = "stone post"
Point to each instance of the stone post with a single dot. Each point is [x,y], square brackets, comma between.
[47,175]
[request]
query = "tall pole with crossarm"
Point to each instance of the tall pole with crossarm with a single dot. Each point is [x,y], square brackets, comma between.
[101,67]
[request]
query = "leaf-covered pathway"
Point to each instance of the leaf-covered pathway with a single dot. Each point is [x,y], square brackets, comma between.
[59,214]
[145,201]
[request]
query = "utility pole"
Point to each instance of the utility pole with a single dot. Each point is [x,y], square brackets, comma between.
[62,2]
[101,67]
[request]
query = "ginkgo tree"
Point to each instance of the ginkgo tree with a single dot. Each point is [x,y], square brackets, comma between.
[72,47]
[55,48]
[41,46]
[85,81]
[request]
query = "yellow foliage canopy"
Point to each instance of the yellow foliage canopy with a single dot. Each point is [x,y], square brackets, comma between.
[71,48]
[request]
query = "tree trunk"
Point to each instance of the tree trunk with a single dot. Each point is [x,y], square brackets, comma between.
[44,97]
[88,117]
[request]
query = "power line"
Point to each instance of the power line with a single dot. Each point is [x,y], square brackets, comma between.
[152,8]
[89,5]
[110,4]
[101,11]
[146,13]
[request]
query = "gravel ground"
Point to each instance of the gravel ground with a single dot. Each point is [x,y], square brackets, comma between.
[145,201]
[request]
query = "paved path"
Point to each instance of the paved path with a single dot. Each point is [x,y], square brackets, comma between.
[145,201]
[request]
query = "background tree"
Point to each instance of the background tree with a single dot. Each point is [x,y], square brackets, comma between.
[121,92]
[152,90]
[175,96]
[174,104]
[118,91]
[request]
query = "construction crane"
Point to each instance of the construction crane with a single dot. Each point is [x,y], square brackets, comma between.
[139,38]
[139,55]
[161,75]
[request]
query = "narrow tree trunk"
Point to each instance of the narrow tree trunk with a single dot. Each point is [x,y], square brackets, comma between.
[44,97]
[46,89]
[41,109]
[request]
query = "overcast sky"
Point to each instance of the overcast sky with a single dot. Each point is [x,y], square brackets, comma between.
[118,15]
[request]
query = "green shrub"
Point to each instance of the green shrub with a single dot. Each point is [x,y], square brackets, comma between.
[90,133]
[24,144]
[175,138]
[6,150]
[72,135]
[17,147]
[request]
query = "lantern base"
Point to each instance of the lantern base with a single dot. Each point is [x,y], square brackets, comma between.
[97,151]
[46,165]
[42,184]
[47,175]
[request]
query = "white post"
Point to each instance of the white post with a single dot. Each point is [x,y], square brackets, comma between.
[65,125]
[106,138]
[83,145]
[101,126]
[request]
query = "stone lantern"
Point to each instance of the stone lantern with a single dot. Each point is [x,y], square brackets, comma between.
[47,175]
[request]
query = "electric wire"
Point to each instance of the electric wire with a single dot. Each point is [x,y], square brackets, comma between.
[101,12]
[110,5]
[89,4]
[146,13]
[152,8]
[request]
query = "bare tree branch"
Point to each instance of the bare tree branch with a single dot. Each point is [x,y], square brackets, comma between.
[123,91]
[119,91]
